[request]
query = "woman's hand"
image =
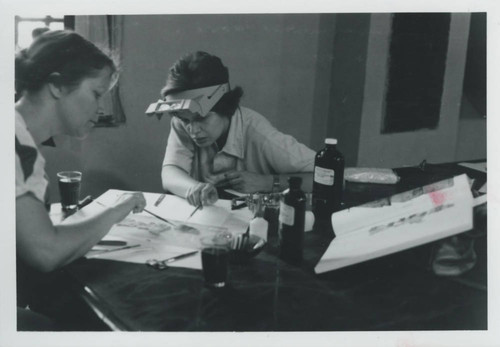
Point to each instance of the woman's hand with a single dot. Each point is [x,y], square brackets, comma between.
[202,194]
[245,181]
[129,202]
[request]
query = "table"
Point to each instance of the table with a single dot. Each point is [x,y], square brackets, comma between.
[396,292]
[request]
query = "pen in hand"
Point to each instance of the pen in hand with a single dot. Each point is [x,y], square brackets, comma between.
[196,209]
[160,199]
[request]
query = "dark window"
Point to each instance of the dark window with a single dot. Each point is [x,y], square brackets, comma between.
[475,67]
[417,58]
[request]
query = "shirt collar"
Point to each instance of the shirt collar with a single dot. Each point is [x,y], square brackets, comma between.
[235,139]
[49,142]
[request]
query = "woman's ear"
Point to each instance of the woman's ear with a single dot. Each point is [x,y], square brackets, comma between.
[55,86]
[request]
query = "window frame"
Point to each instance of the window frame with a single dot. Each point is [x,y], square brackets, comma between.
[68,21]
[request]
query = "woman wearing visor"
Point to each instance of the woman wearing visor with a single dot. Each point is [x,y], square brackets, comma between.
[215,143]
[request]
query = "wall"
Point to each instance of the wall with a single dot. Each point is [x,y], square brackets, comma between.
[305,72]
[472,135]
[410,148]
[274,58]
[348,79]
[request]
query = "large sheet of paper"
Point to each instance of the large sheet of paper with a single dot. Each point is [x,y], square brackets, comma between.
[400,222]
[148,249]
[178,209]
[158,239]
[155,240]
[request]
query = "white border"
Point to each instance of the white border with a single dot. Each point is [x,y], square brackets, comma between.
[8,336]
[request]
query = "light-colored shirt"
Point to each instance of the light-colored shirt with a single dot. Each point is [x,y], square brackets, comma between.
[252,144]
[30,164]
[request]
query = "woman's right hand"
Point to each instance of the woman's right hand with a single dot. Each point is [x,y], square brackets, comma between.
[202,194]
[129,202]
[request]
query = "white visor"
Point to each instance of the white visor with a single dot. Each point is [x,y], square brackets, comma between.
[198,101]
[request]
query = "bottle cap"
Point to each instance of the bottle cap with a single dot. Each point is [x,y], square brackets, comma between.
[294,182]
[330,141]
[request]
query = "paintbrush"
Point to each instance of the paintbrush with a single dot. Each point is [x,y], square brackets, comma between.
[196,209]
[160,218]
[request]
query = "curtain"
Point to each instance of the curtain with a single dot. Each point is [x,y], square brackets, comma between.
[106,32]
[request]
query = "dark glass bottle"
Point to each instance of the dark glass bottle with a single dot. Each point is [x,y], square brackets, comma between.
[328,184]
[292,221]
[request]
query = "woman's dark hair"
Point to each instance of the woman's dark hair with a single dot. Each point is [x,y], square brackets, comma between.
[65,52]
[198,70]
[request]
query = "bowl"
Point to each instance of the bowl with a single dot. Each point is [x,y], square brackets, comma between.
[250,249]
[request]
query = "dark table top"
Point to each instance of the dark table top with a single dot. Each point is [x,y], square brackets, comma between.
[396,292]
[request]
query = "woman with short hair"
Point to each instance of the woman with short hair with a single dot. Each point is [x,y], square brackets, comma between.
[228,146]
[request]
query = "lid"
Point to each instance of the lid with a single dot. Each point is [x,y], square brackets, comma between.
[330,141]
[294,182]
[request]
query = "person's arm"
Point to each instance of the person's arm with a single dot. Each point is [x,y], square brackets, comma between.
[46,247]
[177,181]
[307,180]
[250,182]
[283,153]
[288,158]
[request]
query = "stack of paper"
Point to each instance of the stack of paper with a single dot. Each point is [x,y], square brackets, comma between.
[158,239]
[400,222]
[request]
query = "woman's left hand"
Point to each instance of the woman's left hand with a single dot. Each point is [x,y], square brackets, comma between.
[245,181]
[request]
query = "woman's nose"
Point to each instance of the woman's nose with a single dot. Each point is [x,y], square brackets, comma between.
[100,106]
[99,112]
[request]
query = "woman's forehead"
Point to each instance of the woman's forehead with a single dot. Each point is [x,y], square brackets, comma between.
[104,79]
[185,115]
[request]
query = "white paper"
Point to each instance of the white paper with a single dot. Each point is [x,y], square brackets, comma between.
[400,222]
[159,239]
[148,251]
[475,166]
[175,208]
[178,210]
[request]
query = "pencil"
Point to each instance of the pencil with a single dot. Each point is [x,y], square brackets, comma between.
[196,209]
[160,199]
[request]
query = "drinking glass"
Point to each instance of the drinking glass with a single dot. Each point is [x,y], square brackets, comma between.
[69,188]
[214,258]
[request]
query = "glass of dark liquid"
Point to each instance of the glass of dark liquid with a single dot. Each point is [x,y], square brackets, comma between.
[214,259]
[69,189]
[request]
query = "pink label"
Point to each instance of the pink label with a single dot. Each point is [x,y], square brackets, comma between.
[437,198]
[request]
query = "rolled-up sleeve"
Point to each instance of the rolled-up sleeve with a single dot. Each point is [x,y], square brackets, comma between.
[180,148]
[271,151]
